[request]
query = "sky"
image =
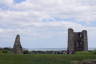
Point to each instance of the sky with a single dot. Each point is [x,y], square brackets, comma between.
[44,23]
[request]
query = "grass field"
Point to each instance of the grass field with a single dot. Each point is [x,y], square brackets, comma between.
[44,58]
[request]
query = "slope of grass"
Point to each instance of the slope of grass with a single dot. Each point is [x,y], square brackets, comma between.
[45,58]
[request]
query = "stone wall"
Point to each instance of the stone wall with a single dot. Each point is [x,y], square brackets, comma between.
[17,48]
[77,41]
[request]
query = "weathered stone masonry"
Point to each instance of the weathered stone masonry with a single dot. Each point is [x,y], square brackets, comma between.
[17,48]
[77,41]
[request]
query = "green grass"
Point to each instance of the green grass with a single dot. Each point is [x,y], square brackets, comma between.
[45,58]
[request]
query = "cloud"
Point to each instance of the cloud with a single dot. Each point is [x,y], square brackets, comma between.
[6,2]
[80,10]
[46,20]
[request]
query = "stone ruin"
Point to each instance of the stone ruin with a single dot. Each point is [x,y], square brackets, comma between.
[77,41]
[17,48]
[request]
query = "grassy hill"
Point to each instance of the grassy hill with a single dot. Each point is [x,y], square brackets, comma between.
[45,58]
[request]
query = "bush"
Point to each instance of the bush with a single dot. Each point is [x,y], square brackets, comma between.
[26,52]
[4,51]
[93,52]
[83,52]
[7,48]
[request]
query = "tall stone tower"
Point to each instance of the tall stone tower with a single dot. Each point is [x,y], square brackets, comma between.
[17,48]
[77,41]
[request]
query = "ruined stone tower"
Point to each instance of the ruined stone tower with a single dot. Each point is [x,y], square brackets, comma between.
[17,48]
[77,41]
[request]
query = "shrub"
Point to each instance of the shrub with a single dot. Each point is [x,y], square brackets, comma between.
[26,52]
[83,52]
[4,51]
[93,52]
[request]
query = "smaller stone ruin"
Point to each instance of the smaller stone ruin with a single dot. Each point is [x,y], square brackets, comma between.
[17,48]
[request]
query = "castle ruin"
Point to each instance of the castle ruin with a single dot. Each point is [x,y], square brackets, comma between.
[77,41]
[17,48]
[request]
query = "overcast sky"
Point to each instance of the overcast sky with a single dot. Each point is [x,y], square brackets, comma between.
[44,23]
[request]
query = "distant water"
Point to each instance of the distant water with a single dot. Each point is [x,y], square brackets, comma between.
[92,49]
[47,49]
[53,49]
